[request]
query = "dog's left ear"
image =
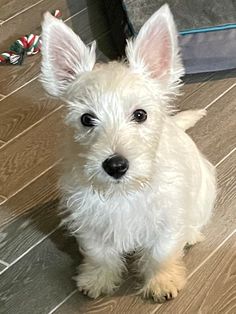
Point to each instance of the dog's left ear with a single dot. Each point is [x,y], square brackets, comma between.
[155,50]
[64,55]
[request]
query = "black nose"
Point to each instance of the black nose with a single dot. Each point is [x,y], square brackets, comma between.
[116,166]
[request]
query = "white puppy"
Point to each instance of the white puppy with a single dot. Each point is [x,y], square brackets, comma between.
[133,179]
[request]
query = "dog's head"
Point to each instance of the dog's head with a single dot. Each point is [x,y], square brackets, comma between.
[117,110]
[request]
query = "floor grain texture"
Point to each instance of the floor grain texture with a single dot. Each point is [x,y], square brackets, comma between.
[37,257]
[2,143]
[2,267]
[45,273]
[42,190]
[19,163]
[27,230]
[200,95]
[23,109]
[215,134]
[9,9]
[212,288]
[2,199]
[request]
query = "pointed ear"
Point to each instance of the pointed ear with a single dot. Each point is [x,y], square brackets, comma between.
[155,50]
[64,55]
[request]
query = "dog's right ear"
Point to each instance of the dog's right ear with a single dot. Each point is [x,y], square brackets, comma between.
[64,56]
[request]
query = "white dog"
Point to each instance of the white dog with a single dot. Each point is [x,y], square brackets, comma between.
[133,179]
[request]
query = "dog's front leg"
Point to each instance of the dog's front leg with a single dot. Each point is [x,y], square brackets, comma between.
[162,280]
[100,272]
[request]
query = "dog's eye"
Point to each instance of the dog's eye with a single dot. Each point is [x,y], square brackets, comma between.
[88,120]
[139,116]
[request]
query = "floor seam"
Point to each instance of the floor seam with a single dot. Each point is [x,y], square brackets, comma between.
[220,96]
[32,181]
[18,88]
[20,12]
[4,198]
[196,89]
[75,14]
[63,301]
[225,157]
[4,263]
[31,127]
[211,254]
[29,249]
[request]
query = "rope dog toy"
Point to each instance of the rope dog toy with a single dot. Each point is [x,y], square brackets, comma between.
[26,45]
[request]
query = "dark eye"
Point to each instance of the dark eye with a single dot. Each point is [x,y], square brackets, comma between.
[139,116]
[88,120]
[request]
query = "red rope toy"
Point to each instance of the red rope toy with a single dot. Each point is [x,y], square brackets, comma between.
[26,45]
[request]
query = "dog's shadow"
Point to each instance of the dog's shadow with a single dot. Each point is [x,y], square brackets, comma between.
[47,219]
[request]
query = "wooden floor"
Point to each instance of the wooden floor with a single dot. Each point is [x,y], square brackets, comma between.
[37,257]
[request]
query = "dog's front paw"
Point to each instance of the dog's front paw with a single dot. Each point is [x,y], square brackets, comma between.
[88,289]
[161,291]
[166,284]
[95,281]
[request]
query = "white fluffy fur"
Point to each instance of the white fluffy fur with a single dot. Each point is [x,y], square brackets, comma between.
[168,192]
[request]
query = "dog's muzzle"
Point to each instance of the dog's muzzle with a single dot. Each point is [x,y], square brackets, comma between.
[116,166]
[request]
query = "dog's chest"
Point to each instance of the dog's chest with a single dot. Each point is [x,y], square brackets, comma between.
[120,222]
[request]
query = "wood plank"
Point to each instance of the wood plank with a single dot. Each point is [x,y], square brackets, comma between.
[30,20]
[121,302]
[28,155]
[192,83]
[222,225]
[41,191]
[12,77]
[28,230]
[196,97]
[212,288]
[10,8]
[215,134]
[2,267]
[2,199]
[24,108]
[39,280]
